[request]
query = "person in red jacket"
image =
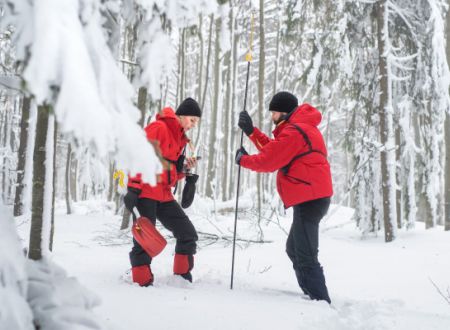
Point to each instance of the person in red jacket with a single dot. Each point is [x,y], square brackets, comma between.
[299,154]
[167,133]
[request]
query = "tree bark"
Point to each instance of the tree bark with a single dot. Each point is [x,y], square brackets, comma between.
[384,125]
[398,191]
[447,137]
[211,172]
[234,108]
[227,120]
[52,223]
[68,162]
[22,156]
[205,87]
[141,104]
[261,81]
[37,209]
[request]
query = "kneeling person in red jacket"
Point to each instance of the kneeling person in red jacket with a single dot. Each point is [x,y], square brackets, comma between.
[299,154]
[167,132]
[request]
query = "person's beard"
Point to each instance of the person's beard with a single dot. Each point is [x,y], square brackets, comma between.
[279,120]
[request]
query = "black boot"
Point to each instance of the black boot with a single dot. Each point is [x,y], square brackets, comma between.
[187,276]
[314,283]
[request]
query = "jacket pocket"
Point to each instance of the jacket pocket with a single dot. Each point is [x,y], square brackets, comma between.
[293,179]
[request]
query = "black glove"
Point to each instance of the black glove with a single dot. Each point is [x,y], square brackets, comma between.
[189,191]
[245,123]
[180,163]
[239,153]
[131,198]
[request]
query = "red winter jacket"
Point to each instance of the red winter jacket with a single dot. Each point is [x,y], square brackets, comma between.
[309,176]
[168,136]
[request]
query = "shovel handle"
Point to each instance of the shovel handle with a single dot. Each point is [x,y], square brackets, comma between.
[136,213]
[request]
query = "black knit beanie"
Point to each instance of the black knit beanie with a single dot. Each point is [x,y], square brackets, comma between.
[189,107]
[283,102]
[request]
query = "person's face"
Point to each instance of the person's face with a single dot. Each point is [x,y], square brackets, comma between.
[276,116]
[188,122]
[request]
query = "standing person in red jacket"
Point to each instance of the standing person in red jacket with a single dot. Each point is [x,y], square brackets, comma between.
[299,154]
[167,133]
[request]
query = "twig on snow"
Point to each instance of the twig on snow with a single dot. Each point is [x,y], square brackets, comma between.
[446,298]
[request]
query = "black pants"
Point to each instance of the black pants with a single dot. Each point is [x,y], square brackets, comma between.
[173,218]
[302,247]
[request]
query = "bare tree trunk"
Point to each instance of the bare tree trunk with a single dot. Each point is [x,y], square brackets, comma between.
[398,191]
[233,109]
[37,209]
[205,87]
[112,169]
[384,125]
[142,102]
[211,171]
[200,62]
[447,172]
[73,178]
[52,223]
[68,198]
[447,136]
[22,155]
[4,143]
[228,103]
[183,65]
[261,81]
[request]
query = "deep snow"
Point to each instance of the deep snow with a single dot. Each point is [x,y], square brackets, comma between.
[373,285]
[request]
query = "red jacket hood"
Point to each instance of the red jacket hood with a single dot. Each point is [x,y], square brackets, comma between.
[168,116]
[305,114]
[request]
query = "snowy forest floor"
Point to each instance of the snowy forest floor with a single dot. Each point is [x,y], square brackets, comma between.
[372,285]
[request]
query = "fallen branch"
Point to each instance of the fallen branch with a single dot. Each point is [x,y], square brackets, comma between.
[446,298]
[216,238]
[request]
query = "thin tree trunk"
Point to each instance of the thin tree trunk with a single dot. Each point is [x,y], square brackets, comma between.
[37,210]
[4,143]
[384,121]
[234,109]
[261,81]
[112,169]
[205,87]
[398,191]
[227,119]
[73,177]
[141,104]
[447,136]
[200,62]
[211,171]
[68,199]
[22,155]
[447,172]
[52,223]
[125,219]
[183,65]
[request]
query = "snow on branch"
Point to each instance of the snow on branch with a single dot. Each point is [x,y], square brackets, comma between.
[403,15]
[68,65]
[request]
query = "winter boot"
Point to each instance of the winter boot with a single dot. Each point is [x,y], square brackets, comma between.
[182,265]
[315,286]
[142,275]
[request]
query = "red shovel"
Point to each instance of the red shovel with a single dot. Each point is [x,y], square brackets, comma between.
[146,234]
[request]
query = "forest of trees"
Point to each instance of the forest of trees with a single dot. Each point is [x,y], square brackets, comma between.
[377,70]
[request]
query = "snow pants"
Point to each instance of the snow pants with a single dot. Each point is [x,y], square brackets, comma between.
[173,218]
[302,247]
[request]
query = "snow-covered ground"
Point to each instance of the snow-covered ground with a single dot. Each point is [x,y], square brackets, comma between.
[372,285]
